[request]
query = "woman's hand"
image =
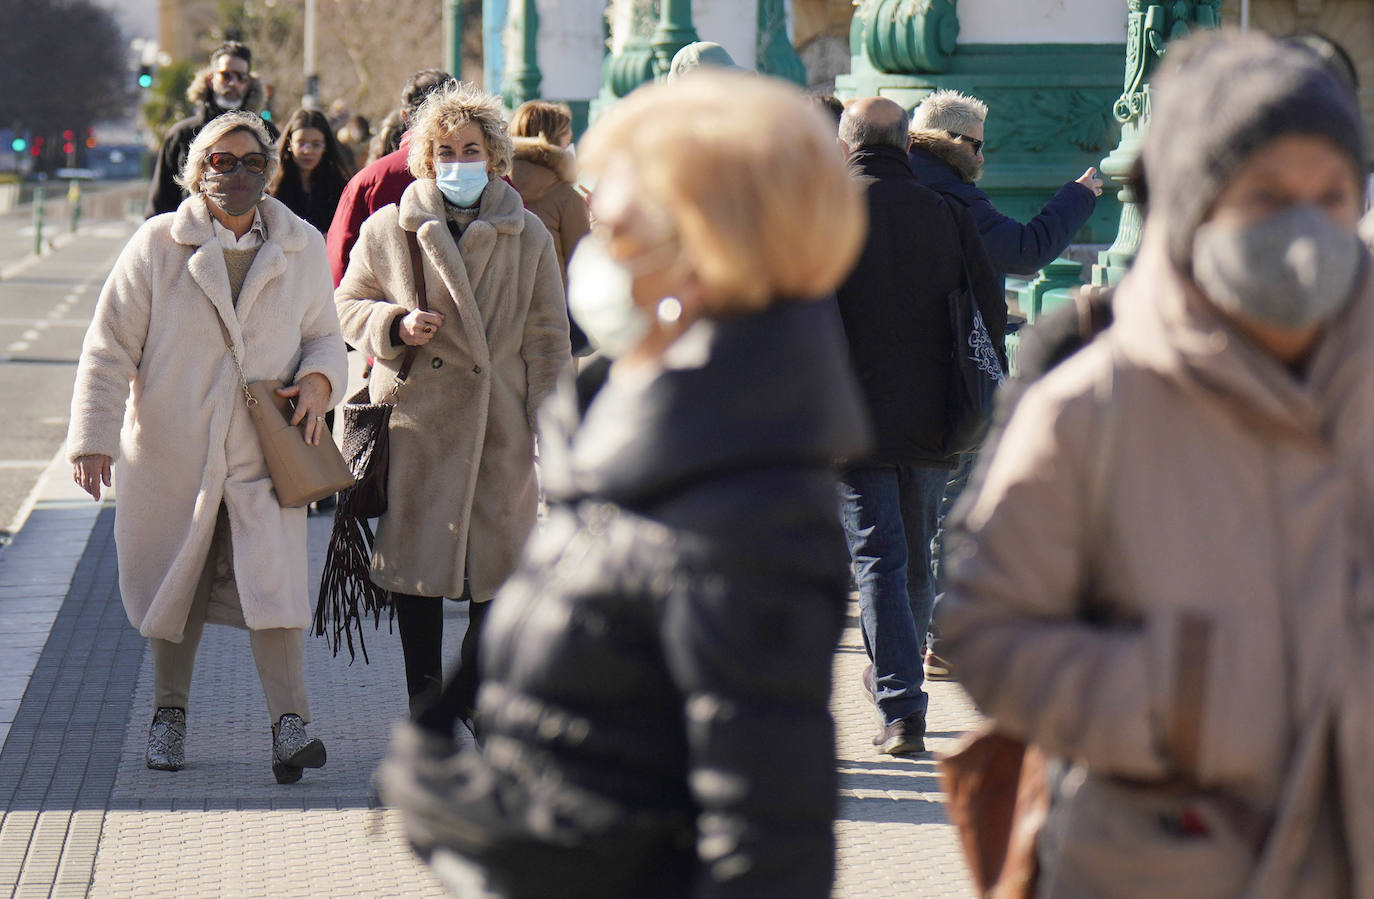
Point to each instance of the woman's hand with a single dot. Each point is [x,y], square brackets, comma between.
[418,328]
[91,471]
[312,402]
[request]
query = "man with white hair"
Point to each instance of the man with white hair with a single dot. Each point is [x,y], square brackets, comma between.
[947,156]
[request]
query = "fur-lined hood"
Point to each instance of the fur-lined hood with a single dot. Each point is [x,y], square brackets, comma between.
[200,93]
[538,151]
[940,145]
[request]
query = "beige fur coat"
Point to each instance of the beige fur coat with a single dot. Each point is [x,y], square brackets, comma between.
[545,174]
[461,488]
[185,442]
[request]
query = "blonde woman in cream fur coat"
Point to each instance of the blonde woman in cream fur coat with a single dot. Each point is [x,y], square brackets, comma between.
[199,531]
[461,485]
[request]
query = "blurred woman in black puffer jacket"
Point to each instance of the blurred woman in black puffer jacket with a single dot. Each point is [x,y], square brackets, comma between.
[656,677]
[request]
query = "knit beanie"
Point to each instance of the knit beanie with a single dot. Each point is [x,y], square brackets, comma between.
[1219,97]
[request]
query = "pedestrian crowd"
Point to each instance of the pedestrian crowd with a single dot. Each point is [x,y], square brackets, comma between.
[736,375]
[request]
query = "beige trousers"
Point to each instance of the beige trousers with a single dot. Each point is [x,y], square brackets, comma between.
[278,652]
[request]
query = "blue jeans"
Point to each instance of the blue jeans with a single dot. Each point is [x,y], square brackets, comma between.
[958,480]
[889,514]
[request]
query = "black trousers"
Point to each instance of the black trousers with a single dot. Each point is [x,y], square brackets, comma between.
[434,705]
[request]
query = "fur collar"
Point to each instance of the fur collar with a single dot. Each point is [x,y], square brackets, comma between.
[538,151]
[500,206]
[937,144]
[193,226]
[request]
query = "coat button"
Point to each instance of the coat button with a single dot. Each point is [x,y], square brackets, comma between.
[436,362]
[477,369]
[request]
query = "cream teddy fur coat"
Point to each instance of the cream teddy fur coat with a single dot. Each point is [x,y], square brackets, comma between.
[461,484]
[182,439]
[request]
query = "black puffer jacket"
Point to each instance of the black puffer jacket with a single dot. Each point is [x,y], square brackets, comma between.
[895,305]
[656,675]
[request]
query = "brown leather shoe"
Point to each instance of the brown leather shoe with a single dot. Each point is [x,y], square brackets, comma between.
[905,736]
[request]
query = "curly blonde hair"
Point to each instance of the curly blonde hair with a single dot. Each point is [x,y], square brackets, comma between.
[450,108]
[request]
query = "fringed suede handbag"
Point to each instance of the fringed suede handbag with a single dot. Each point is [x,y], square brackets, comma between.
[346,588]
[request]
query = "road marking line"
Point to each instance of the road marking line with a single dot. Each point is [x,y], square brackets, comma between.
[11,464]
[18,346]
[42,326]
[30,334]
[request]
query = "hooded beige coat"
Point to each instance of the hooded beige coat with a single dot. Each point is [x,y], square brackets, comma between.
[546,176]
[186,442]
[1220,667]
[461,488]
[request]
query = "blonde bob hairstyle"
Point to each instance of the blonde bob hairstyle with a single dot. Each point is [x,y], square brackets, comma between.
[218,128]
[747,171]
[445,111]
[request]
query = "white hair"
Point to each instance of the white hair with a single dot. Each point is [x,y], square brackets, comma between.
[948,110]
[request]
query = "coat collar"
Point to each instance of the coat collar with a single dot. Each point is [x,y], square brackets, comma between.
[1166,327]
[761,390]
[193,226]
[462,265]
[537,151]
[500,207]
[876,161]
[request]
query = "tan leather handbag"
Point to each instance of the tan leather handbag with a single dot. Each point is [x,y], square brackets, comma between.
[301,473]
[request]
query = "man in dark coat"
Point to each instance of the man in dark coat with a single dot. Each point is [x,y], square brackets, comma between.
[895,309]
[228,83]
[382,182]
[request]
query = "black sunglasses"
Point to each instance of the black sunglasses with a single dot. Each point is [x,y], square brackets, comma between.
[977,145]
[224,163]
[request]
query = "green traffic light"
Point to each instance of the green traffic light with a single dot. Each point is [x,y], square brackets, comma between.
[145,80]
[266,115]
[18,145]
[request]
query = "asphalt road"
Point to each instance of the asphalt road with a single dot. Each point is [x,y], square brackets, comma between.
[46,303]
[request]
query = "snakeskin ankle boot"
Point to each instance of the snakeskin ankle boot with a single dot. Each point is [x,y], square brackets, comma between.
[167,740]
[293,751]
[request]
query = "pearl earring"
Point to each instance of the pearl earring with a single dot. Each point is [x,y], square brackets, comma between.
[669,310]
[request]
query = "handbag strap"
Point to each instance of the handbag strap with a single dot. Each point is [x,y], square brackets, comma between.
[238,364]
[422,302]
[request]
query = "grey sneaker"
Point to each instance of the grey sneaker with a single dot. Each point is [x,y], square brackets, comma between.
[293,751]
[167,740]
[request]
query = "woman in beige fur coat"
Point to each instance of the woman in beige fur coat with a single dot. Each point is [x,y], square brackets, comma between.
[461,487]
[199,530]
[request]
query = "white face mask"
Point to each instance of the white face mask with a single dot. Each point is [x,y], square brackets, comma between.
[462,183]
[601,299]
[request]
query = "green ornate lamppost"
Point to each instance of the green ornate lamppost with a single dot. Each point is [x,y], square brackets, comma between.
[675,31]
[523,77]
[1149,29]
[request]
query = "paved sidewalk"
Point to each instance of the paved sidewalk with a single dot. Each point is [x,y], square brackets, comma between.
[82,816]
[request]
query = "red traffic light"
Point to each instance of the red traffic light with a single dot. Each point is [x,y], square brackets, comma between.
[36,150]
[69,134]
[69,147]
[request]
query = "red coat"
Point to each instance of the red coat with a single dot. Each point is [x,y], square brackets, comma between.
[376,185]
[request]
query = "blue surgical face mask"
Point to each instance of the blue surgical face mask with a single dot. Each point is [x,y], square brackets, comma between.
[462,183]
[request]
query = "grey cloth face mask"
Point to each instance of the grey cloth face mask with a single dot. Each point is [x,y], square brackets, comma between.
[1294,269]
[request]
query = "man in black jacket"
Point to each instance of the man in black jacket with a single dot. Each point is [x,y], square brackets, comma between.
[228,83]
[895,309]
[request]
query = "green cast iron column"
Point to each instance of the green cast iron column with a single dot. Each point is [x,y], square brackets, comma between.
[675,31]
[1149,29]
[453,34]
[774,51]
[524,80]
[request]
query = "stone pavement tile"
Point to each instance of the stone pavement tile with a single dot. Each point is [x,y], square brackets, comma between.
[258,853]
[891,833]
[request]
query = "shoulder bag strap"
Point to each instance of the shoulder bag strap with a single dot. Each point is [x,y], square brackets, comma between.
[234,354]
[417,269]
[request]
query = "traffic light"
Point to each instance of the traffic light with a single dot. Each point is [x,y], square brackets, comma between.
[19,145]
[69,135]
[37,148]
[90,138]
[145,77]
